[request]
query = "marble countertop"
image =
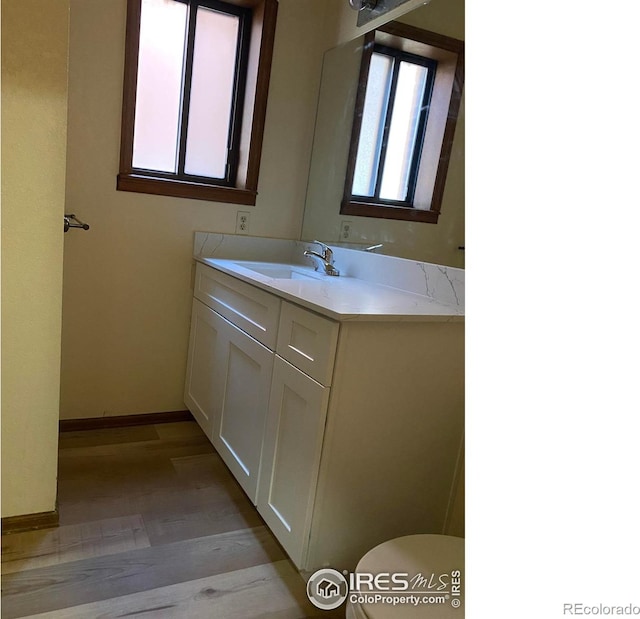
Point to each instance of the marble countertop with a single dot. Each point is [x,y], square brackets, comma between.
[344,298]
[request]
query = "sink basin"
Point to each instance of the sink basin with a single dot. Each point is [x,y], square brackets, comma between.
[280,271]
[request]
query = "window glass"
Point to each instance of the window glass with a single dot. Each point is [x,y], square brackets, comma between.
[160,66]
[373,119]
[392,125]
[196,78]
[407,106]
[212,89]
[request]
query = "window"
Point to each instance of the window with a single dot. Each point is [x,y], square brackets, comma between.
[394,118]
[404,121]
[196,81]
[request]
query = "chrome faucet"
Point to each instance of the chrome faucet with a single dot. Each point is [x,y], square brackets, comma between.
[326,258]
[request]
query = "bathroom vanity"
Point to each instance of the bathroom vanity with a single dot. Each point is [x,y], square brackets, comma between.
[336,402]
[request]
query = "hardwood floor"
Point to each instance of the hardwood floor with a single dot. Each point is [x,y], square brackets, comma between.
[152,524]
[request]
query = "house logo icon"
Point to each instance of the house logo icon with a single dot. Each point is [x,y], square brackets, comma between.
[327,589]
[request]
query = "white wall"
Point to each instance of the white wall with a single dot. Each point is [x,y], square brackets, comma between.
[127,280]
[34,114]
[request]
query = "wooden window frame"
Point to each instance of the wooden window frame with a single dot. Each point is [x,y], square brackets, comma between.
[395,34]
[236,189]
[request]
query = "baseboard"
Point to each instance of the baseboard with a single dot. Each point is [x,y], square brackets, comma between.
[96,423]
[30,522]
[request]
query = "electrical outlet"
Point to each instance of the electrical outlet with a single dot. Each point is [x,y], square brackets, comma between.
[345,230]
[242,222]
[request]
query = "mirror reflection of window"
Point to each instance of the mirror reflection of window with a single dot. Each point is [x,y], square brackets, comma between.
[394,118]
[371,131]
[405,112]
[406,130]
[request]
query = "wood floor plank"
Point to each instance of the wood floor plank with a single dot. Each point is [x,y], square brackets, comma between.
[152,524]
[92,481]
[35,549]
[188,523]
[225,508]
[178,430]
[174,447]
[203,470]
[102,477]
[107,436]
[270,591]
[163,502]
[101,578]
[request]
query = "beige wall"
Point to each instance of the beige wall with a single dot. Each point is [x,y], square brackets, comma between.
[127,280]
[456,517]
[127,296]
[34,115]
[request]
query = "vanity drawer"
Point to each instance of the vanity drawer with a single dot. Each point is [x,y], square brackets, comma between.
[307,341]
[253,310]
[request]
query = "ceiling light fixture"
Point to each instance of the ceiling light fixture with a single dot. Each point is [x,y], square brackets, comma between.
[359,5]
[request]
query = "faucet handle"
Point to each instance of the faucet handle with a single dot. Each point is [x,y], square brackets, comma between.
[326,251]
[323,245]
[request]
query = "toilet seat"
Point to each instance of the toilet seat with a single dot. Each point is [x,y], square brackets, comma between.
[413,555]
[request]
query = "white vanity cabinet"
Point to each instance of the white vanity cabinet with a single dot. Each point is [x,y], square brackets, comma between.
[291,456]
[382,462]
[295,425]
[229,371]
[199,390]
[392,440]
[241,383]
[344,433]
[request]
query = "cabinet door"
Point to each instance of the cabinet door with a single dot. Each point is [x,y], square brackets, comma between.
[242,381]
[291,456]
[199,391]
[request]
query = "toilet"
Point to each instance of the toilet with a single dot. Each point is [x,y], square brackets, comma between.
[432,564]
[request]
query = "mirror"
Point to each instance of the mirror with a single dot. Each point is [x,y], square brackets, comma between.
[439,243]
